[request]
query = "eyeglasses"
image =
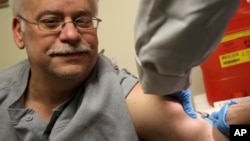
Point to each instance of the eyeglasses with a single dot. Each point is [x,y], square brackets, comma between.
[57,24]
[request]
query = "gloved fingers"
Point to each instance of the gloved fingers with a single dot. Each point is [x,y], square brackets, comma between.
[231,102]
[188,108]
[215,114]
[222,124]
[187,104]
[184,97]
[224,109]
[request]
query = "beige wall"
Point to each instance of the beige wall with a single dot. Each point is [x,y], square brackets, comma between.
[115,36]
[9,54]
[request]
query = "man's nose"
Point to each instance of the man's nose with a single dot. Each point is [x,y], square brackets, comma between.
[69,32]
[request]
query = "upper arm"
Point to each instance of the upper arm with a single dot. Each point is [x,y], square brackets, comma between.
[163,118]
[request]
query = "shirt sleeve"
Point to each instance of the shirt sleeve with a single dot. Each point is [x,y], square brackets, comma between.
[127,81]
[173,36]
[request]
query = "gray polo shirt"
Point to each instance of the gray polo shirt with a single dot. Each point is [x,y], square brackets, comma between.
[97,111]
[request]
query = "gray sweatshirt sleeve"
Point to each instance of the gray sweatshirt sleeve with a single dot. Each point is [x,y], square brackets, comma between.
[173,36]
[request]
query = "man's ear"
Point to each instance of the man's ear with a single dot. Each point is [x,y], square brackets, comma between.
[17,33]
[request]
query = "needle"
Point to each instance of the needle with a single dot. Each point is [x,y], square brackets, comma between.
[206,115]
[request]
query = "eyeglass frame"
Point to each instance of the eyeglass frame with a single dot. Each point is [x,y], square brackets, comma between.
[63,23]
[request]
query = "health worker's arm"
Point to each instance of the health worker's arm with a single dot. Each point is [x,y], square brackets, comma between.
[234,118]
[172,36]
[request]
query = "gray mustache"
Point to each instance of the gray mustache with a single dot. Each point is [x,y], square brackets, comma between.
[68,49]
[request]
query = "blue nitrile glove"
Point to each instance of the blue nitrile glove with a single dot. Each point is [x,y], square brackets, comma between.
[218,119]
[184,97]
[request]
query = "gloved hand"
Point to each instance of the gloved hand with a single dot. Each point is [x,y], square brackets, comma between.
[218,119]
[184,97]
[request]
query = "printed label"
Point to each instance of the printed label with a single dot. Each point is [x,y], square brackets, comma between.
[234,58]
[237,57]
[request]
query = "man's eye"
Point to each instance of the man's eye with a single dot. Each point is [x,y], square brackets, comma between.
[50,23]
[84,22]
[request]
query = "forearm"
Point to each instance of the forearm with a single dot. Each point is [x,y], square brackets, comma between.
[238,114]
[231,113]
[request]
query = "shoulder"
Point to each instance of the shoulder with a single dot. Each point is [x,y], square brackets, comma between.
[12,74]
[125,78]
[127,81]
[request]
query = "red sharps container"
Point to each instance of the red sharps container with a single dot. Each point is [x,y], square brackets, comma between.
[226,73]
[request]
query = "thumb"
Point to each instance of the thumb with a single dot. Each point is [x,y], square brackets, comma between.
[188,108]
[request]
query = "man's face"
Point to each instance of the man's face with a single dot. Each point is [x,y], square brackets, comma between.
[48,51]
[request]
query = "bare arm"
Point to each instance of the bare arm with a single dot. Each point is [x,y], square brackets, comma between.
[159,118]
[242,116]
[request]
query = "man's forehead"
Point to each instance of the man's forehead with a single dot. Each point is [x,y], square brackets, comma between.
[48,6]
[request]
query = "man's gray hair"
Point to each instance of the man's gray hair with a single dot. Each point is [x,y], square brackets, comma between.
[17,7]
